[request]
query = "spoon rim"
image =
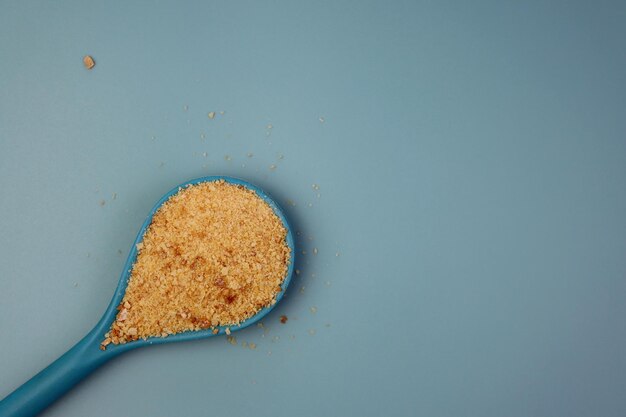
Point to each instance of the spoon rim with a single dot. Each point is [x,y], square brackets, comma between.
[109,316]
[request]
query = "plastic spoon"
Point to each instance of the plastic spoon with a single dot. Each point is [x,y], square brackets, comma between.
[86,356]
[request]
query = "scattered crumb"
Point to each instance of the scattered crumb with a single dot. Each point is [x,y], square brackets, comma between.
[114,196]
[211,115]
[76,284]
[232,340]
[272,167]
[250,155]
[297,272]
[290,202]
[309,204]
[314,249]
[275,339]
[321,119]
[304,252]
[222,112]
[205,154]
[302,289]
[153,137]
[270,126]
[102,203]
[311,332]
[252,345]
[244,344]
[89,62]
[185,107]
[315,187]
[215,331]
[283,319]
[337,254]
[313,310]
[227,158]
[281,156]
[119,252]
[227,331]
[202,136]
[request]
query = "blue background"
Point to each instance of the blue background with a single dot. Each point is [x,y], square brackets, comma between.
[471,163]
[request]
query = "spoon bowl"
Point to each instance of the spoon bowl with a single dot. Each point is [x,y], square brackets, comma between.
[86,356]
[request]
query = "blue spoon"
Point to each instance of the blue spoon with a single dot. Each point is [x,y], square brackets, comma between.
[86,356]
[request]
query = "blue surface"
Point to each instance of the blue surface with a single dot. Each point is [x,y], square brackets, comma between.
[471,164]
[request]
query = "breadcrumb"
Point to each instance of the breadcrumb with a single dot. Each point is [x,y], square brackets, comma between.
[214,255]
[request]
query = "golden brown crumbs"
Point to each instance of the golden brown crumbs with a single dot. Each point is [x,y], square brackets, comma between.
[283,319]
[214,255]
[88,62]
[211,115]
[252,345]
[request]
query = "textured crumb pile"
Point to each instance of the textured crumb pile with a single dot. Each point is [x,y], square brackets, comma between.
[214,255]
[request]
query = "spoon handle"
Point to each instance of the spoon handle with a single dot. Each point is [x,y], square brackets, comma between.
[58,378]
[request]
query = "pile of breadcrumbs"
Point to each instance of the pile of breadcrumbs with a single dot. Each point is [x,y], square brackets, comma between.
[214,255]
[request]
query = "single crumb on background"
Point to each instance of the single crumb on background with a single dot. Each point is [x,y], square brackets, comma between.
[214,255]
[211,115]
[283,319]
[89,62]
